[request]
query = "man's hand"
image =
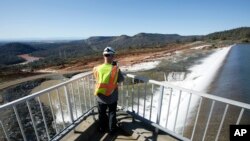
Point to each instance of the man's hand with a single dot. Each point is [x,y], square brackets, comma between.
[114,63]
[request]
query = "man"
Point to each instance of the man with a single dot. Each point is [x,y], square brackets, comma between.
[107,76]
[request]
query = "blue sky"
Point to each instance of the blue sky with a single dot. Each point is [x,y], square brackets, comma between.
[78,19]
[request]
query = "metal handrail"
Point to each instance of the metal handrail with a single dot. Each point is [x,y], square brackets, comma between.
[26,100]
[164,85]
[206,95]
[36,94]
[123,103]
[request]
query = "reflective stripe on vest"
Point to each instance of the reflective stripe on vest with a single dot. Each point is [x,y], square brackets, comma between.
[106,79]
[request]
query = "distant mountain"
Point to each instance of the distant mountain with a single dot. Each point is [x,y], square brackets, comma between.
[16,49]
[68,50]
[242,33]
[9,52]
[2,43]
[96,44]
[93,46]
[136,41]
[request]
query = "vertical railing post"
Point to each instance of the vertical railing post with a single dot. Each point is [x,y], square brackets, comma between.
[93,89]
[32,120]
[132,96]
[44,119]
[122,95]
[239,118]
[169,104]
[221,123]
[69,104]
[19,123]
[52,110]
[151,102]
[90,102]
[127,96]
[159,108]
[74,101]
[145,93]
[178,105]
[189,101]
[61,108]
[6,135]
[165,77]
[138,94]
[196,118]
[85,93]
[78,90]
[209,117]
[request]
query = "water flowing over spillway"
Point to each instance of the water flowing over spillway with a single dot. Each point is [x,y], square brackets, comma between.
[199,78]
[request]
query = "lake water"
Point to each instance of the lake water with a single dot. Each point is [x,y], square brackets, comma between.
[233,80]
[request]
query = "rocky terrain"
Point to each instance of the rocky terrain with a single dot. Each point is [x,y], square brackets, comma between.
[8,117]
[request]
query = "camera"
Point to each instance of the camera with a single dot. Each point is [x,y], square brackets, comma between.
[114,63]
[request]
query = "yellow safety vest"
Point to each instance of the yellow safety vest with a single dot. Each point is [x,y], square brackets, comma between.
[106,79]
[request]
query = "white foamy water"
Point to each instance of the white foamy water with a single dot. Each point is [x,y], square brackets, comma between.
[140,66]
[199,79]
[203,74]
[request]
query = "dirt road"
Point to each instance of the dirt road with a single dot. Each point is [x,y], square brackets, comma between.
[131,58]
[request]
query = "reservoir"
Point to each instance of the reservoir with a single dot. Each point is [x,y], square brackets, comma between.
[233,80]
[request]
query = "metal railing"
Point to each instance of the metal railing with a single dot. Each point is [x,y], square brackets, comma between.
[48,114]
[182,113]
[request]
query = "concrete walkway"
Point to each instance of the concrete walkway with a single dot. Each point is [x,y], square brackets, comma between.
[128,131]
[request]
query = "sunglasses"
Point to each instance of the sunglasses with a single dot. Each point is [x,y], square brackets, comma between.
[108,55]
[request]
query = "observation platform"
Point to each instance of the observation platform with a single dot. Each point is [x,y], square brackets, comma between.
[147,110]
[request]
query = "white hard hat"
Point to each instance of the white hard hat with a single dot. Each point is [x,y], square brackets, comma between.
[108,50]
